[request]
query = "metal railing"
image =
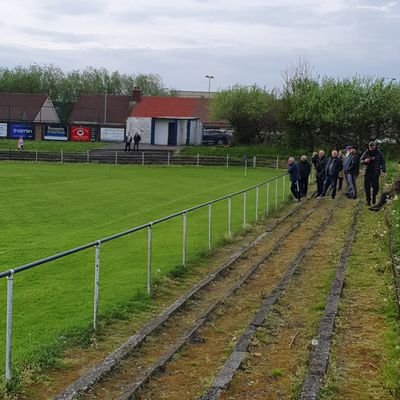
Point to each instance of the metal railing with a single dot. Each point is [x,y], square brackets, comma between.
[9,274]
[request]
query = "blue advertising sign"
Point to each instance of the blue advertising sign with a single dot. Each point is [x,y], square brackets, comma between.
[55,132]
[26,131]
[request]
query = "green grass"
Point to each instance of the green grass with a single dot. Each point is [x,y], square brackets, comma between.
[240,150]
[50,208]
[49,145]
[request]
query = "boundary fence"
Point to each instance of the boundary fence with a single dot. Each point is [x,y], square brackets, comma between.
[270,194]
[147,157]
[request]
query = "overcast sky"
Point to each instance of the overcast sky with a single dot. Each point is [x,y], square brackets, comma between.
[236,41]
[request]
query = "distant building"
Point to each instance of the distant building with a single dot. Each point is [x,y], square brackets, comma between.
[169,120]
[26,115]
[194,93]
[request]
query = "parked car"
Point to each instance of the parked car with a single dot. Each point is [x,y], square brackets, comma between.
[211,138]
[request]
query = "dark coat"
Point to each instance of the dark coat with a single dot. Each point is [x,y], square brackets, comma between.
[293,171]
[373,161]
[351,164]
[304,169]
[333,166]
[320,166]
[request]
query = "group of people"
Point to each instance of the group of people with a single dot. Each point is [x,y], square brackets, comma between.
[343,165]
[136,140]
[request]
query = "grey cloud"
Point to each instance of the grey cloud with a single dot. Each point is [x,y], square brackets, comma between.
[65,37]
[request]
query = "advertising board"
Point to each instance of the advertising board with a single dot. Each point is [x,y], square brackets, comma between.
[80,133]
[55,132]
[112,134]
[3,129]
[15,131]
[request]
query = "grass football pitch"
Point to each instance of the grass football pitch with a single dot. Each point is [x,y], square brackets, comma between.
[49,208]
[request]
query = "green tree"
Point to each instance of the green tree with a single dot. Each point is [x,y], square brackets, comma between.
[245,108]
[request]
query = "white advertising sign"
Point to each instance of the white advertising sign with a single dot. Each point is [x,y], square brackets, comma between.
[112,134]
[3,129]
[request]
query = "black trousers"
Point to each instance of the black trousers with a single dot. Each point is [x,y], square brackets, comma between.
[303,186]
[320,184]
[295,189]
[136,146]
[330,181]
[371,181]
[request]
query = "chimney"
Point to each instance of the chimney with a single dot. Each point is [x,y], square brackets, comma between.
[136,94]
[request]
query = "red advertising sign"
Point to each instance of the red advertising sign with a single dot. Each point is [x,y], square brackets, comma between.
[80,134]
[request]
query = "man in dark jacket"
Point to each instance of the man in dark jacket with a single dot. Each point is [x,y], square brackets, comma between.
[351,169]
[293,171]
[332,169]
[304,170]
[320,171]
[374,167]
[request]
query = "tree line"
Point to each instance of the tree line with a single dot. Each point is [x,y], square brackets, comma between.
[64,88]
[312,111]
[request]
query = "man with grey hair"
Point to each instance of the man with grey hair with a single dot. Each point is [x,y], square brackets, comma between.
[293,171]
[304,170]
[320,171]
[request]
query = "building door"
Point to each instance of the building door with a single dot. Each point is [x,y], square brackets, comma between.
[172,133]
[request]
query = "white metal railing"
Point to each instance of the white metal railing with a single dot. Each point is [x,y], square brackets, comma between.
[9,274]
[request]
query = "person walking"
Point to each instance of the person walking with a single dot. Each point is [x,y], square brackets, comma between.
[304,170]
[332,169]
[294,174]
[136,139]
[20,143]
[128,142]
[351,168]
[320,171]
[374,167]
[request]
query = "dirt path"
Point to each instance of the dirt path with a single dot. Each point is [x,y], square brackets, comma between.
[287,274]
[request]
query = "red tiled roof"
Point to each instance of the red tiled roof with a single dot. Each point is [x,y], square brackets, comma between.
[171,107]
[90,108]
[21,106]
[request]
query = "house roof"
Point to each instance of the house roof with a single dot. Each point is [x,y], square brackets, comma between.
[21,106]
[91,108]
[171,107]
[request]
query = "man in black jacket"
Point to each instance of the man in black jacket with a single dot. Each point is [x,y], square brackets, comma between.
[332,169]
[375,166]
[304,169]
[320,171]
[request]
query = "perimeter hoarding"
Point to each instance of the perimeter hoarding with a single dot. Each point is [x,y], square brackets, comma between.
[55,132]
[112,134]
[79,133]
[3,129]
[15,131]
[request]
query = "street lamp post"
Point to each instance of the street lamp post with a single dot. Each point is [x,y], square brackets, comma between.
[209,77]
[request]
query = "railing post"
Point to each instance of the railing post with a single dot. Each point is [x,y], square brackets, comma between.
[245,167]
[257,192]
[227,160]
[36,155]
[142,158]
[267,190]
[87,157]
[116,158]
[229,216]
[169,155]
[62,155]
[184,215]
[96,284]
[283,188]
[276,193]
[198,159]
[244,209]
[277,161]
[149,248]
[10,282]
[254,161]
[209,225]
